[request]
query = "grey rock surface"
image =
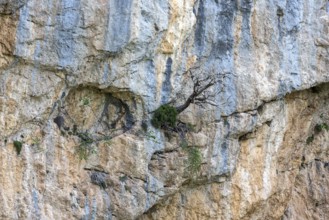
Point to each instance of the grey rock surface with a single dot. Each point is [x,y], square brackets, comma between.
[80,79]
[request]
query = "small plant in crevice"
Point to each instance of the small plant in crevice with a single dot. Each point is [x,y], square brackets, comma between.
[85,101]
[144,126]
[85,148]
[88,145]
[319,127]
[150,136]
[18,146]
[128,188]
[194,156]
[36,142]
[194,159]
[108,143]
[123,178]
[164,116]
[84,151]
[87,142]
[191,127]
[310,139]
[85,138]
[184,144]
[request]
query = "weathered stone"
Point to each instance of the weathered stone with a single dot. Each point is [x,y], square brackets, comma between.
[11,6]
[100,68]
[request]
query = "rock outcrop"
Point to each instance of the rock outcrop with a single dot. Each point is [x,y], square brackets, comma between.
[80,80]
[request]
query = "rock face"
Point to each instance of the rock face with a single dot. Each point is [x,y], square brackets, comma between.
[79,81]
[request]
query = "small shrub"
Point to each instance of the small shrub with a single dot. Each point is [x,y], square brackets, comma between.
[144,126]
[83,152]
[36,141]
[18,146]
[184,145]
[85,148]
[128,188]
[190,127]
[85,138]
[150,136]
[319,127]
[85,101]
[123,178]
[165,115]
[310,139]
[194,158]
[75,129]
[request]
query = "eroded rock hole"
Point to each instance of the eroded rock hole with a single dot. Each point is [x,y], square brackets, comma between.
[98,112]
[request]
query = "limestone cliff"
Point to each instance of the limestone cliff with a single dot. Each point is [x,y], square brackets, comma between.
[80,80]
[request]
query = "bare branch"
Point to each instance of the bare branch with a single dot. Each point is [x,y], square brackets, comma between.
[200,94]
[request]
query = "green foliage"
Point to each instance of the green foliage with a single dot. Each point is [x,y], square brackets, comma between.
[128,188]
[82,151]
[194,158]
[85,138]
[85,148]
[320,127]
[85,101]
[144,126]
[151,137]
[18,146]
[165,115]
[123,178]
[184,144]
[310,139]
[190,127]
[36,141]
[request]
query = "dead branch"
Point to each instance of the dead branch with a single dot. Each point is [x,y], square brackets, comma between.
[200,95]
